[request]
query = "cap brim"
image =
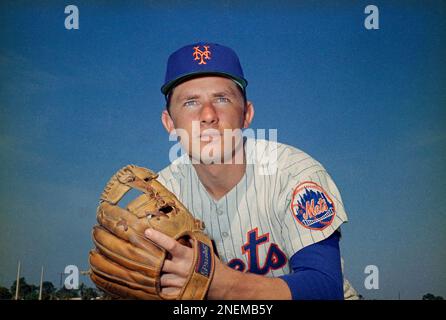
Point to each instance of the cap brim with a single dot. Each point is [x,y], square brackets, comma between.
[168,86]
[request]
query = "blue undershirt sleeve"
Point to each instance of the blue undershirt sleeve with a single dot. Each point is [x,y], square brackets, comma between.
[316,271]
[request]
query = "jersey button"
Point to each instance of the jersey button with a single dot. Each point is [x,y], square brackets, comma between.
[220,212]
[225,234]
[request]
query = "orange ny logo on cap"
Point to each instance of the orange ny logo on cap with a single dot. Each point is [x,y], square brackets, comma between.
[201,55]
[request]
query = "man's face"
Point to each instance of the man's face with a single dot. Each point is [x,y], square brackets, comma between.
[206,109]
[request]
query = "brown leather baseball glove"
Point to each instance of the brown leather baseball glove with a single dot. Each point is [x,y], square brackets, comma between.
[127,265]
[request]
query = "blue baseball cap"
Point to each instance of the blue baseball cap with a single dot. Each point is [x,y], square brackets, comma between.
[201,59]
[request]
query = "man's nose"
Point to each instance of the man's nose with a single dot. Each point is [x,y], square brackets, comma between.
[208,114]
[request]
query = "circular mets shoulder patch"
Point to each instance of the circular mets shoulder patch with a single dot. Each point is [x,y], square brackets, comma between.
[312,207]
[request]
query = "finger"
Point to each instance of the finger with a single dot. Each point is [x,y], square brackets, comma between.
[164,241]
[175,268]
[171,280]
[171,292]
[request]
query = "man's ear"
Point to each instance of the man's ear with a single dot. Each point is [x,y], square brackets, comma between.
[249,114]
[167,121]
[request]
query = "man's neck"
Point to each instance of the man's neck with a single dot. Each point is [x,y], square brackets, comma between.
[219,179]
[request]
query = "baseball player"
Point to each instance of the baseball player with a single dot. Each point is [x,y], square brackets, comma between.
[273,211]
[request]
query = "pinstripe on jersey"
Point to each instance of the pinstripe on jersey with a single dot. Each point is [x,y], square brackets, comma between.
[259,203]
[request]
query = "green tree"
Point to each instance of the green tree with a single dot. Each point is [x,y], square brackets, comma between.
[48,290]
[65,294]
[89,294]
[33,294]
[430,296]
[5,294]
[26,291]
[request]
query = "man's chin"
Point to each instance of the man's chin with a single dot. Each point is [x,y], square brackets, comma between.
[214,153]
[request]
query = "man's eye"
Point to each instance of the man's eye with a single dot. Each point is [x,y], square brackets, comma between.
[190,103]
[222,100]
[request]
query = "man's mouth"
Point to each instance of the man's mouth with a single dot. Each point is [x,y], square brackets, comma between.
[211,136]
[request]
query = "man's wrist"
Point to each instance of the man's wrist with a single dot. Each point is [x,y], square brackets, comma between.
[225,279]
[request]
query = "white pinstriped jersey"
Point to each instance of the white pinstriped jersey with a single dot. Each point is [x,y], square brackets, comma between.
[257,226]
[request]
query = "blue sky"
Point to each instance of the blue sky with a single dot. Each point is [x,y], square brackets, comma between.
[76,105]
